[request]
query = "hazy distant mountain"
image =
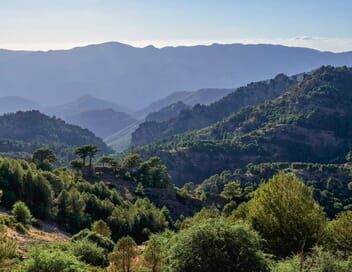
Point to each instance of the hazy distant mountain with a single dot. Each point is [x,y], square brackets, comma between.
[15,103]
[103,122]
[164,109]
[189,98]
[138,76]
[83,104]
[121,140]
[167,113]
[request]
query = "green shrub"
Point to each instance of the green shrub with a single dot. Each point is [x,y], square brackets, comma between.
[21,213]
[285,214]
[338,234]
[100,240]
[102,228]
[20,228]
[58,261]
[89,253]
[216,246]
[318,261]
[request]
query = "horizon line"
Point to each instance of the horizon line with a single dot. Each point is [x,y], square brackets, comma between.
[160,44]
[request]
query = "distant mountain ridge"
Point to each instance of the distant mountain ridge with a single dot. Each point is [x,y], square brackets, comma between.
[83,104]
[103,123]
[189,98]
[15,103]
[135,77]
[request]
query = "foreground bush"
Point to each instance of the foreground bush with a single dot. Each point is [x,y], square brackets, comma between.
[216,246]
[46,261]
[338,234]
[89,253]
[21,213]
[285,214]
[317,261]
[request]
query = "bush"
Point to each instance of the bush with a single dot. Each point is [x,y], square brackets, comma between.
[44,261]
[124,253]
[338,234]
[89,253]
[102,228]
[216,246]
[20,228]
[21,213]
[284,212]
[100,240]
[318,261]
[8,247]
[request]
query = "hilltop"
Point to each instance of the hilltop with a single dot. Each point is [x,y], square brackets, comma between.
[26,131]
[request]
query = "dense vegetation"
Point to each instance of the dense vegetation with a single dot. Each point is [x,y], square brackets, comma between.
[74,203]
[280,219]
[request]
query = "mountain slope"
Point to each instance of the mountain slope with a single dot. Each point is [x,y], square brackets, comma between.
[311,122]
[202,116]
[165,109]
[189,98]
[102,123]
[138,76]
[26,131]
[166,113]
[15,103]
[121,140]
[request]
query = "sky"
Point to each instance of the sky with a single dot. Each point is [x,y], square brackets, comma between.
[61,24]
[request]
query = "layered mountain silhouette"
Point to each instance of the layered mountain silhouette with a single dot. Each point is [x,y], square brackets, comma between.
[103,123]
[15,103]
[135,77]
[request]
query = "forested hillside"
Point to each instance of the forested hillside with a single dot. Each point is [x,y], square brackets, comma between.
[309,123]
[122,222]
[201,115]
[24,132]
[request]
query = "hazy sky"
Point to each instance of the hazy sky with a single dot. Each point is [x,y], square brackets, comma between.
[51,24]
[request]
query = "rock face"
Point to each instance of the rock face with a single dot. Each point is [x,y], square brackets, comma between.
[201,116]
[311,122]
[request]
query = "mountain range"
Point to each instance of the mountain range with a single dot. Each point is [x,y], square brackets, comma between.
[14,103]
[135,77]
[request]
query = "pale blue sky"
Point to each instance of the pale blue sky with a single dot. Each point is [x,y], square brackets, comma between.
[45,24]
